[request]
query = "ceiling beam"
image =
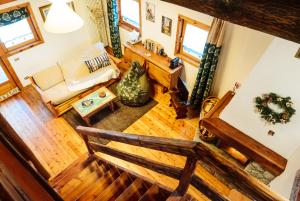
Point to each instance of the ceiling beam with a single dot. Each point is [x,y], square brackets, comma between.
[280,18]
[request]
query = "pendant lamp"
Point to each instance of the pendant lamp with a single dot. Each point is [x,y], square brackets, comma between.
[62,19]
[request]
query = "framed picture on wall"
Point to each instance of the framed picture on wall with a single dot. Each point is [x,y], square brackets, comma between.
[44,10]
[150,11]
[166,26]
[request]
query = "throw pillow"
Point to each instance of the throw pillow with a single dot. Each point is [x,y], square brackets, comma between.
[98,62]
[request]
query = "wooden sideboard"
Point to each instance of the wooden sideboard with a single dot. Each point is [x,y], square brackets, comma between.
[156,66]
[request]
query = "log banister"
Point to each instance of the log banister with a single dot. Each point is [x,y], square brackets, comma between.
[193,151]
[185,176]
[170,171]
[173,146]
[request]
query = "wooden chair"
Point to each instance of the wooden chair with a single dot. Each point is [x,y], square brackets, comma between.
[179,100]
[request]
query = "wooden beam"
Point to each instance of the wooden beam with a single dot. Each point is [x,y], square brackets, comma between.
[269,159]
[279,18]
[170,171]
[249,185]
[174,146]
[186,177]
[201,185]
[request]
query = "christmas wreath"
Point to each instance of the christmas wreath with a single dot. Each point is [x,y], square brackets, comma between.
[271,116]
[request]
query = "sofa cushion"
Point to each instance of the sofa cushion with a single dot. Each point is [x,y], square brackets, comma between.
[59,93]
[48,77]
[98,62]
[93,52]
[100,76]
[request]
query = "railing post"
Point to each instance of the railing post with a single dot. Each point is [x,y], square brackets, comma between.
[86,141]
[186,177]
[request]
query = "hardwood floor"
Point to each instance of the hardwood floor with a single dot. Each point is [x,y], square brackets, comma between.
[56,144]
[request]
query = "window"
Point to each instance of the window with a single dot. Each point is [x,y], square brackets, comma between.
[191,39]
[19,30]
[3,77]
[129,14]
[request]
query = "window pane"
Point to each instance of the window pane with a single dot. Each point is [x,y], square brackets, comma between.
[131,12]
[16,33]
[3,77]
[194,40]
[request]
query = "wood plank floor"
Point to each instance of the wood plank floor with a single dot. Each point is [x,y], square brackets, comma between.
[56,143]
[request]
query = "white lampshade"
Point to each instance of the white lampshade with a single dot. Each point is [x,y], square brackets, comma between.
[62,19]
[60,0]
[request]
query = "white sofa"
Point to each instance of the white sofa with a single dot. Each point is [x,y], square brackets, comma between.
[69,80]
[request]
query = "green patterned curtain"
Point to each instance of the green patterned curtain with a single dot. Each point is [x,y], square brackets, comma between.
[208,64]
[113,18]
[13,16]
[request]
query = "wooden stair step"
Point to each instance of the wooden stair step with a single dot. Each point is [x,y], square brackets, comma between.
[154,193]
[102,183]
[134,191]
[88,181]
[76,181]
[116,188]
[72,170]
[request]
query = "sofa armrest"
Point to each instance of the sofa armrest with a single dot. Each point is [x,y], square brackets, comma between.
[33,83]
[115,59]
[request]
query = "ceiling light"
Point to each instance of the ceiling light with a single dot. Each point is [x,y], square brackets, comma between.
[62,19]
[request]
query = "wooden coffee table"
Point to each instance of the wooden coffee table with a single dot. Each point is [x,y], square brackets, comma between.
[93,103]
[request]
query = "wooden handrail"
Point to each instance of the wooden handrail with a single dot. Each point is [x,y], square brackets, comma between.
[170,171]
[185,174]
[245,182]
[269,159]
[193,151]
[173,146]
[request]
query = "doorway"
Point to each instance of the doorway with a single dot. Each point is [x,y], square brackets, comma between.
[8,85]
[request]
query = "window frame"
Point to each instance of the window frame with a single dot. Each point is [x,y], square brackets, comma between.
[126,25]
[181,28]
[38,38]
[6,1]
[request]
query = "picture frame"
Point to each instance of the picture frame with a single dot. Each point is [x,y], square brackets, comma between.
[44,10]
[150,12]
[166,26]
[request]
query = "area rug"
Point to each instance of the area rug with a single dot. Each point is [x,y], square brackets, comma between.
[119,120]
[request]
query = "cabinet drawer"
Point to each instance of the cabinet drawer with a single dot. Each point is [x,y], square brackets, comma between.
[130,56]
[159,75]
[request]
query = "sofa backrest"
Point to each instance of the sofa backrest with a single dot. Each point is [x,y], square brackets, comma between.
[74,67]
[93,51]
[48,77]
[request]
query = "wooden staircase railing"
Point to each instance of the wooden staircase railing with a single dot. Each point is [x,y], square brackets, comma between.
[193,151]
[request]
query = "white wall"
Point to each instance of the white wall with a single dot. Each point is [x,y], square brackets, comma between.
[241,50]
[278,71]
[56,46]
